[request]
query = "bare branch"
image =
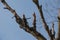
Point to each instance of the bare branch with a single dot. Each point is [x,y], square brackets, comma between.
[34,21]
[52,32]
[58,38]
[18,19]
[42,17]
[23,22]
[36,2]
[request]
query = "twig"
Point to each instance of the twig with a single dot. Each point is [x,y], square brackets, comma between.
[52,32]
[34,21]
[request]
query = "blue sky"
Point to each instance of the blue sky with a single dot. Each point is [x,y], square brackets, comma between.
[9,29]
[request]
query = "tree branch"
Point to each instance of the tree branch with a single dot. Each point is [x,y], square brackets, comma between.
[23,22]
[58,38]
[34,21]
[52,32]
[42,17]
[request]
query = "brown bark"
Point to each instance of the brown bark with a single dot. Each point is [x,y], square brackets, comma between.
[58,38]
[23,24]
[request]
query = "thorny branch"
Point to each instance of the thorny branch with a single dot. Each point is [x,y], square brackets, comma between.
[23,22]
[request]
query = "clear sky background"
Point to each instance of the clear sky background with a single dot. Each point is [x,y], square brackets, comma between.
[9,29]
